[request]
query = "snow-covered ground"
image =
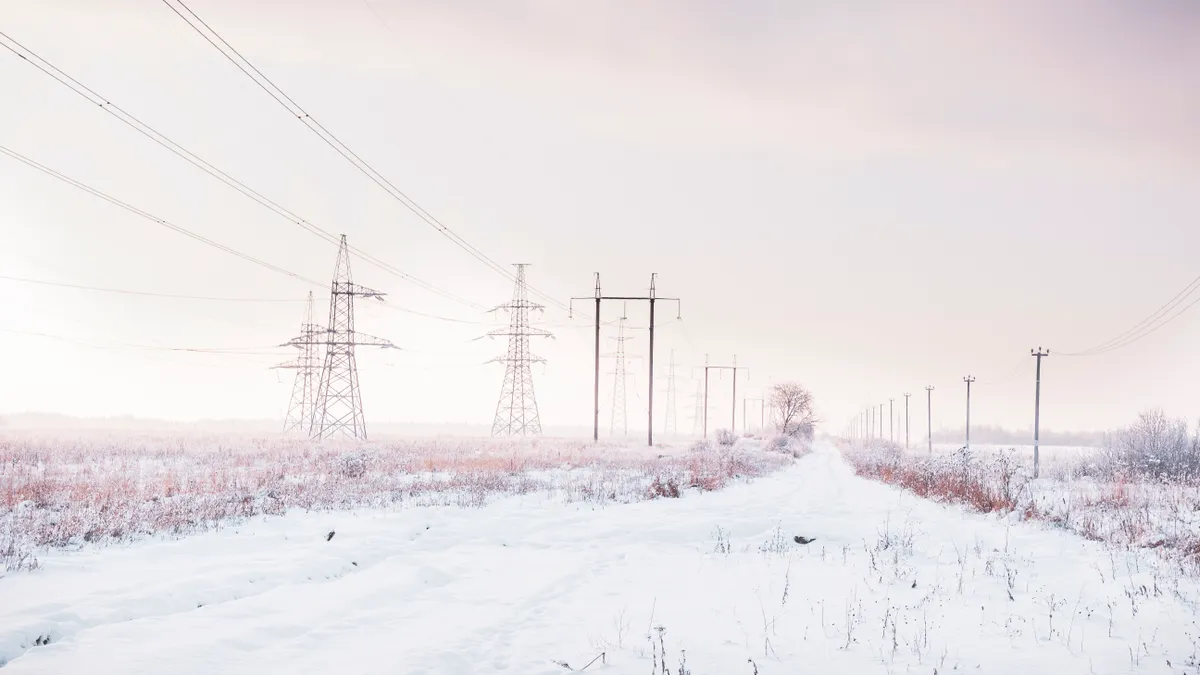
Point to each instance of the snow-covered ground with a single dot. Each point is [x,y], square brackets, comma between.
[892,584]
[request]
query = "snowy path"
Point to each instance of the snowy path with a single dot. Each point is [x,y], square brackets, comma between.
[524,582]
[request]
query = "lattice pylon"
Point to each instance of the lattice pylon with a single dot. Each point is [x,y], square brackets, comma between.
[517,411]
[337,410]
[620,372]
[698,415]
[670,425]
[308,370]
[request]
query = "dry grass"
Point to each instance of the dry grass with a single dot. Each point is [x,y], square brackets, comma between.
[70,492]
[1111,506]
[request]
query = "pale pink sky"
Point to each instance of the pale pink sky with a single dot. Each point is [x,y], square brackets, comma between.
[867,197]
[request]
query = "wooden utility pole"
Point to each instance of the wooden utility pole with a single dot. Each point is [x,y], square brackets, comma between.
[907,420]
[891,422]
[929,412]
[1037,406]
[881,422]
[968,379]
[598,297]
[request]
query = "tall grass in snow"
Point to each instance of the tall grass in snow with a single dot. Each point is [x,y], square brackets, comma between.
[1142,490]
[69,492]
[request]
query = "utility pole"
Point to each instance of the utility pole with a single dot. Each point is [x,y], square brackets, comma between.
[733,404]
[338,407]
[891,422]
[308,372]
[907,420]
[929,412]
[517,411]
[598,297]
[1037,406]
[968,379]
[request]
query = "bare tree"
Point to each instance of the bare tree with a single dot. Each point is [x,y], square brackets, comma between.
[792,409]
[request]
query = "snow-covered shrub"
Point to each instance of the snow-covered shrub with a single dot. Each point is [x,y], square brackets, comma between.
[664,488]
[726,438]
[780,443]
[701,445]
[1155,446]
[353,464]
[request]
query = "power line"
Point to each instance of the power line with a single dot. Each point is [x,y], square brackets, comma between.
[121,346]
[180,296]
[1009,375]
[57,74]
[155,219]
[274,91]
[1147,325]
[123,291]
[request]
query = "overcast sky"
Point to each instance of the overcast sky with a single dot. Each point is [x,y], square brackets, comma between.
[865,197]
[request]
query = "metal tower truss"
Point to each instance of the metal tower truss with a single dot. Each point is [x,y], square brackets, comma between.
[620,411]
[307,365]
[517,411]
[337,409]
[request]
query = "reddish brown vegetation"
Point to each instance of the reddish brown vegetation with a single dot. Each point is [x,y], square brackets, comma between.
[1117,509]
[60,493]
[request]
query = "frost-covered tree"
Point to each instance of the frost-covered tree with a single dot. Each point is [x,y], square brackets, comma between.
[792,409]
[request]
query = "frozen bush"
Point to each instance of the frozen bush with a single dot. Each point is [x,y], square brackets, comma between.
[726,438]
[1155,446]
[792,446]
[353,464]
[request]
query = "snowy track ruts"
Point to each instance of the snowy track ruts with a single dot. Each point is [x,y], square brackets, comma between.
[521,583]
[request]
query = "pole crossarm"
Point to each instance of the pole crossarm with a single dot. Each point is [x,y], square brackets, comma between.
[598,297]
[338,338]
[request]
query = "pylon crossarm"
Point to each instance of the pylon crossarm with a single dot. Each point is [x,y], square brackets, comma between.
[519,332]
[364,340]
[531,358]
[350,288]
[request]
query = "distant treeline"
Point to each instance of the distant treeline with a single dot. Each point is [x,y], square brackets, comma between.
[995,435]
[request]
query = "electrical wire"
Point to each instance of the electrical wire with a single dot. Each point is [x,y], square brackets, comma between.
[439,317]
[274,91]
[1010,374]
[37,61]
[123,291]
[121,346]
[152,218]
[1148,325]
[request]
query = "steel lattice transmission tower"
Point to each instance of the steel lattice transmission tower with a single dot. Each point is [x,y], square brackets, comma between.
[670,426]
[308,371]
[620,372]
[698,414]
[517,411]
[338,405]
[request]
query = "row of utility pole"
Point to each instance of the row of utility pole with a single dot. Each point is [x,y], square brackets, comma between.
[598,297]
[869,427]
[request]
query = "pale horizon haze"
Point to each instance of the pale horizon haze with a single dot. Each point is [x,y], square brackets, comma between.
[866,198]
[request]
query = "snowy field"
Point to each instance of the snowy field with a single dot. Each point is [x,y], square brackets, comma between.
[1077,490]
[712,582]
[97,490]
